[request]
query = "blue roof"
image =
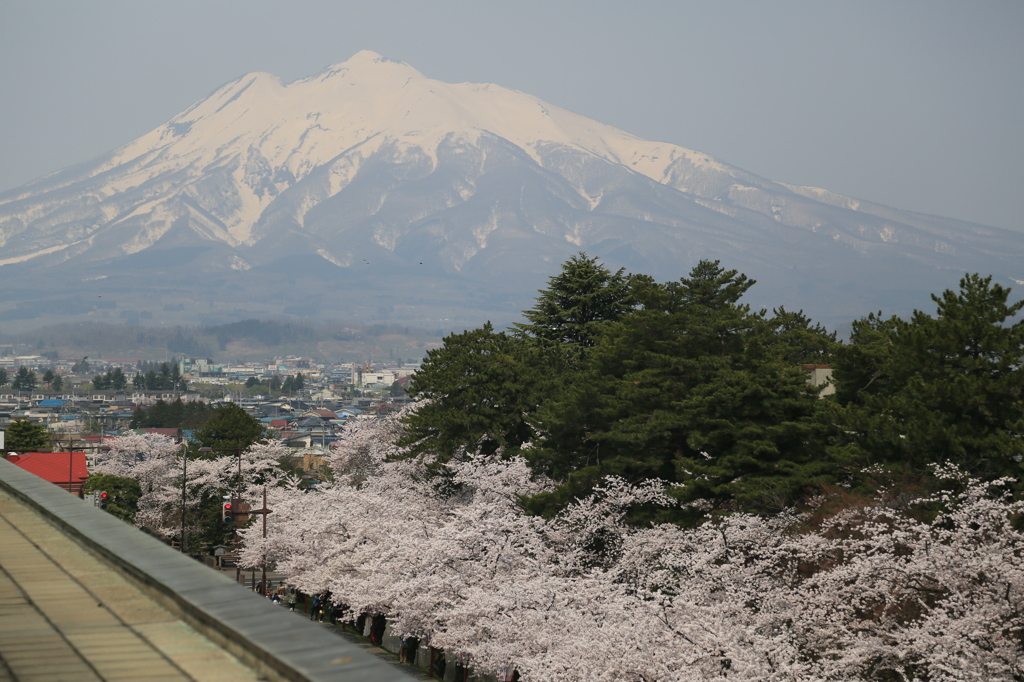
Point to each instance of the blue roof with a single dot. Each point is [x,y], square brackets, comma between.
[52,402]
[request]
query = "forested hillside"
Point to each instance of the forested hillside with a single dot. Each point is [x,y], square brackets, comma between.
[236,341]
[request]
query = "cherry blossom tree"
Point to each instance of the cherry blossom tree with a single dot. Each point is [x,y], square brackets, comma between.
[155,462]
[925,589]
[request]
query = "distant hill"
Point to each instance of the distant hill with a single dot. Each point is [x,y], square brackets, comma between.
[370,192]
[239,341]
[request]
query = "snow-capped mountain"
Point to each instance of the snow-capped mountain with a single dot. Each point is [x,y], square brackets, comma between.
[372,191]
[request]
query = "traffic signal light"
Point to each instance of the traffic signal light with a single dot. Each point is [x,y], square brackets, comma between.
[103,498]
[226,514]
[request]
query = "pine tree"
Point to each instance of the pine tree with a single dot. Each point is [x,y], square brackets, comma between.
[694,389]
[577,301]
[24,436]
[942,388]
[479,388]
[24,380]
[228,429]
[116,379]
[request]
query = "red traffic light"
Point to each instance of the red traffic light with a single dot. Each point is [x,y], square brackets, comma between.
[103,496]
[227,505]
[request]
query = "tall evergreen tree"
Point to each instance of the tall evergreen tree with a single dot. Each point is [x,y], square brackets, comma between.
[116,379]
[577,301]
[479,389]
[694,389]
[942,388]
[24,436]
[24,380]
[228,429]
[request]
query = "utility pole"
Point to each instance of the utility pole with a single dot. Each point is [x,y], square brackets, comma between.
[264,513]
[184,481]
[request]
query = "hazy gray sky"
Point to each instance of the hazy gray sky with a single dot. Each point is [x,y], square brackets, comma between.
[918,105]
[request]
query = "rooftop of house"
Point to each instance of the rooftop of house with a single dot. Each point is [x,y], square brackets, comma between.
[54,467]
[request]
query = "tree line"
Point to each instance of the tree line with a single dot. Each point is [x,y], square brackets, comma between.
[616,374]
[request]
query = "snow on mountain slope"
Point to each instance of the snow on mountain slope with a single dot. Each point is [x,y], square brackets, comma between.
[482,188]
[272,135]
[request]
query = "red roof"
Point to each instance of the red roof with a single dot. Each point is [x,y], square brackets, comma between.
[279,422]
[53,466]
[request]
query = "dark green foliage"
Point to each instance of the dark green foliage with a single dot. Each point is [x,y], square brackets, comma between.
[124,494]
[24,436]
[212,528]
[228,429]
[48,377]
[113,379]
[57,384]
[694,389]
[251,381]
[570,311]
[936,389]
[24,380]
[165,377]
[176,414]
[480,388]
[621,375]
[3,377]
[293,383]
[795,341]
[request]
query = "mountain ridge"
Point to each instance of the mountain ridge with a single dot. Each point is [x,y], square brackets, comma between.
[465,190]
